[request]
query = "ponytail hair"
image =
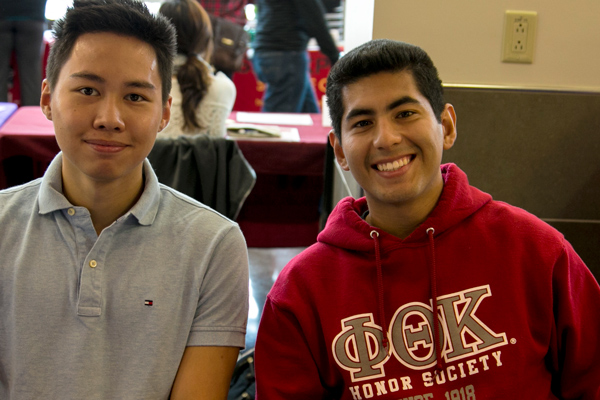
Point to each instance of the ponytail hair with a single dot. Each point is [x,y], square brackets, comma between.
[194,38]
[193,78]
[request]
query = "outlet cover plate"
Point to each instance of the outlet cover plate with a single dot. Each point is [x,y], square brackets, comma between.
[519,36]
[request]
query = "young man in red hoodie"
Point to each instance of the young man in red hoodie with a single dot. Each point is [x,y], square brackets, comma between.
[426,288]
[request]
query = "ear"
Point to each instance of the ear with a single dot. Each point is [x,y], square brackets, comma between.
[338,151]
[449,126]
[46,100]
[166,114]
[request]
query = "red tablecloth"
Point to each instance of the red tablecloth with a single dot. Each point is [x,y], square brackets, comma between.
[283,209]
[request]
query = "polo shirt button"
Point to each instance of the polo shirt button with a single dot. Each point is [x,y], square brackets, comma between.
[93,264]
[71,211]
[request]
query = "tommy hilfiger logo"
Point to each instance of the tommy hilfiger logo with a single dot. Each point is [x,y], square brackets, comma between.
[148,303]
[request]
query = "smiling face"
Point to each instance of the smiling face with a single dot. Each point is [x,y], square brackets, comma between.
[392,142]
[106,108]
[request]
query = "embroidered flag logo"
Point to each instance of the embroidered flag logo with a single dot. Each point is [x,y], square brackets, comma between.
[148,303]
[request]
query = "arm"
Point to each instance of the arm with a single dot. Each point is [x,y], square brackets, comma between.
[284,365]
[219,325]
[575,348]
[312,15]
[204,373]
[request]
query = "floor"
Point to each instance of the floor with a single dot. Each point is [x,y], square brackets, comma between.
[265,265]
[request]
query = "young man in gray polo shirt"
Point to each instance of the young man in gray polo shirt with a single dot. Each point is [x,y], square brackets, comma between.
[113,286]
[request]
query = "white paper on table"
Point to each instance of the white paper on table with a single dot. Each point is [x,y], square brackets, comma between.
[274,118]
[287,135]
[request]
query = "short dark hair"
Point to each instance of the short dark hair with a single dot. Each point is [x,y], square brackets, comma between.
[383,55]
[121,17]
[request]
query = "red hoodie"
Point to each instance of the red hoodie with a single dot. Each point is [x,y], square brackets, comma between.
[518,312]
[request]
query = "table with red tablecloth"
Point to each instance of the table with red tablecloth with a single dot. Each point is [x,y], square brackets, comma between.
[283,209]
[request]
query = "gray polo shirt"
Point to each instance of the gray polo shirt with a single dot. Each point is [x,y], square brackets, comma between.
[84,316]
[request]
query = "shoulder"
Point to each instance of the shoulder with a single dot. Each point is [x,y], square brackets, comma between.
[178,203]
[19,212]
[222,85]
[219,100]
[187,214]
[191,229]
[519,229]
[310,271]
[18,199]
[509,216]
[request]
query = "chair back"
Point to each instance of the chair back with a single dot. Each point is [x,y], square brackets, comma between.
[209,169]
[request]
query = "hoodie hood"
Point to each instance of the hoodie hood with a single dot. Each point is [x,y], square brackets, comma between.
[346,229]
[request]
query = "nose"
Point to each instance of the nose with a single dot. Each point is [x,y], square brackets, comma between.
[387,134]
[109,116]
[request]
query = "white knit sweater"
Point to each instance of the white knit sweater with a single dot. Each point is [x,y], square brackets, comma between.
[212,111]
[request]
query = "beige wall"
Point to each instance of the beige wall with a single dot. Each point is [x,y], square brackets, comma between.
[464,38]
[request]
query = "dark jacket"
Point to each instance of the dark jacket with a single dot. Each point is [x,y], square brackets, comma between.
[23,10]
[211,170]
[287,25]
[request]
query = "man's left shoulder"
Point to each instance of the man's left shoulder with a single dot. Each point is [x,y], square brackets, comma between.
[520,221]
[177,203]
[188,217]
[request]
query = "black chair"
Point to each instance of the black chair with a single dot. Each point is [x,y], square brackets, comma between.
[209,169]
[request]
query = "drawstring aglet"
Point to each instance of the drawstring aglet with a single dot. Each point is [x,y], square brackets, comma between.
[386,345]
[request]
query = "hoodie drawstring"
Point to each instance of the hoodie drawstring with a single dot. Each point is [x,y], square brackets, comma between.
[433,287]
[375,237]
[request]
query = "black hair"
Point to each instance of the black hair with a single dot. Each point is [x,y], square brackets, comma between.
[383,55]
[122,17]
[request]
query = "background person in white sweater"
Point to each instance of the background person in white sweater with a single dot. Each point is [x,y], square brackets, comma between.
[202,99]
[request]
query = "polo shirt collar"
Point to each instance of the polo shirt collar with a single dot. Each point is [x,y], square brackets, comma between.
[51,196]
[146,208]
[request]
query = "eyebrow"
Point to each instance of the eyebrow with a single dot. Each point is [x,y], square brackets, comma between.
[369,111]
[402,101]
[96,78]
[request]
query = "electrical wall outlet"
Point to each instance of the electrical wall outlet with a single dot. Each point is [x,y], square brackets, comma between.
[519,36]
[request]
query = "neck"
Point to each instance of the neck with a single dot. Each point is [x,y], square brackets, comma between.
[401,219]
[106,201]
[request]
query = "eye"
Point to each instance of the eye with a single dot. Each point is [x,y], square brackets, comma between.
[362,124]
[405,114]
[88,91]
[135,97]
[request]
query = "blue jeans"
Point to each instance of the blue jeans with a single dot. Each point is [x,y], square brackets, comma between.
[26,38]
[288,81]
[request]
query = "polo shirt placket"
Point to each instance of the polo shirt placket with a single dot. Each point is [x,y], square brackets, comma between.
[91,257]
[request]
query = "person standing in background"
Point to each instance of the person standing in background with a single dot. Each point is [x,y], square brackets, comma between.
[22,25]
[232,10]
[280,58]
[202,100]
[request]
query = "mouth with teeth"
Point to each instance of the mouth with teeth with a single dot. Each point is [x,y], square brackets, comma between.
[394,165]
